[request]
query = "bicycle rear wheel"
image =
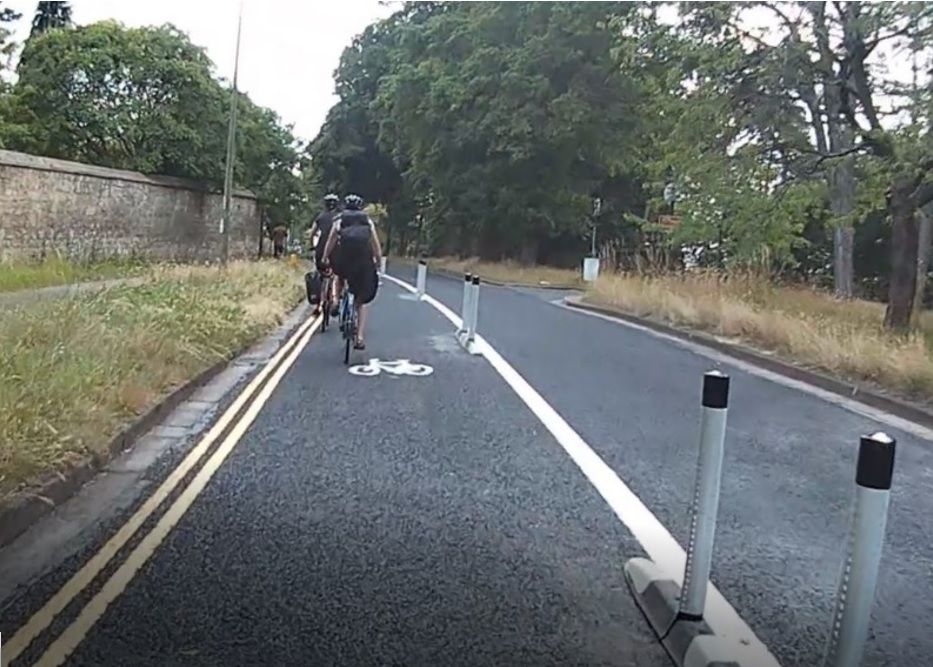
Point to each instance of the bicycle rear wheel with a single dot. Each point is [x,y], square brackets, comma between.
[350,330]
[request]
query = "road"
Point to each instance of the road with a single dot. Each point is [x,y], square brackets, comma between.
[437,521]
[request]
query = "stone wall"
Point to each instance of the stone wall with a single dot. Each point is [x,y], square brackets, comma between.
[84,212]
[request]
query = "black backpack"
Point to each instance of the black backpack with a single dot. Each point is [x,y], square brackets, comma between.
[355,241]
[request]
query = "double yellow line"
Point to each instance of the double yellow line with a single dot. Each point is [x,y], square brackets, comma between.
[230,427]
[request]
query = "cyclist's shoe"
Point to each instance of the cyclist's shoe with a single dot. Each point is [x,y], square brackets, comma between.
[335,311]
[359,345]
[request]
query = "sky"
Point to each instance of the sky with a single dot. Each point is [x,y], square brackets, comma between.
[289,49]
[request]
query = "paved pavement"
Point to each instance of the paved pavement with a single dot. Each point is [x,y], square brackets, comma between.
[436,521]
[380,520]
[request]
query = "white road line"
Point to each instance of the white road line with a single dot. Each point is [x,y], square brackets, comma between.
[850,404]
[655,539]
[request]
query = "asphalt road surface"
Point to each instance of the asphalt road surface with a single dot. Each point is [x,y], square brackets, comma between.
[435,521]
[391,520]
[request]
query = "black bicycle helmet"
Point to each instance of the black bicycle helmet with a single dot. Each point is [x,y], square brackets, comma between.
[353,202]
[331,201]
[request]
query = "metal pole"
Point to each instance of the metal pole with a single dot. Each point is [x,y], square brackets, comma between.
[706,494]
[859,578]
[465,304]
[422,277]
[474,311]
[231,149]
[382,264]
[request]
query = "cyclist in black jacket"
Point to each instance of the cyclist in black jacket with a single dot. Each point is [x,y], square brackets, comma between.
[356,257]
[323,223]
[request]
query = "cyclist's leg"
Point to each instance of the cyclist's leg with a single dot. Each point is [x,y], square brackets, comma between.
[361,310]
[320,272]
[365,285]
[338,293]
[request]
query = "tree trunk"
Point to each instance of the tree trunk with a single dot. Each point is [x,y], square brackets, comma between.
[904,241]
[842,203]
[529,253]
[843,261]
[924,240]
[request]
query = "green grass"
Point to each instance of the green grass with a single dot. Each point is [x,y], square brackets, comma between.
[54,271]
[75,371]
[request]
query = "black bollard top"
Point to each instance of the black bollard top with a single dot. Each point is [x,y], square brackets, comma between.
[468,277]
[875,461]
[423,261]
[715,390]
[476,280]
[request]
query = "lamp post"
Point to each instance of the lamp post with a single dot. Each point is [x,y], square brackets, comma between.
[231,149]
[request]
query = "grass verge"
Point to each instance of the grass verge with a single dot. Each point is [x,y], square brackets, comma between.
[511,272]
[76,371]
[54,271]
[844,338]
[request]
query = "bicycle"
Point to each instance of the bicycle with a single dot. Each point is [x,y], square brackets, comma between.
[349,321]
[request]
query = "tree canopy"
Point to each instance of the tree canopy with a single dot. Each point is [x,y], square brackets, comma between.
[489,129]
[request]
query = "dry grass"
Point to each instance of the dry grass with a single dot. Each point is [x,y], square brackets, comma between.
[75,371]
[55,271]
[844,338]
[511,272]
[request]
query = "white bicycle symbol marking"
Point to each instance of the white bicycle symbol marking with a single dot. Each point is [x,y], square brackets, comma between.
[398,367]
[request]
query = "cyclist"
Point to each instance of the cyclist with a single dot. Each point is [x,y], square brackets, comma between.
[323,223]
[357,254]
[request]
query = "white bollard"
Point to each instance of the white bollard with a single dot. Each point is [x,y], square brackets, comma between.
[382,265]
[590,269]
[859,578]
[474,311]
[465,305]
[422,278]
[706,495]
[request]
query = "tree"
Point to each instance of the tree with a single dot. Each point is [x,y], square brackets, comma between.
[7,129]
[128,98]
[499,119]
[268,161]
[50,15]
[784,88]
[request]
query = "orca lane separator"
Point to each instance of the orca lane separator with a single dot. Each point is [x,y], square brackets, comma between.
[658,543]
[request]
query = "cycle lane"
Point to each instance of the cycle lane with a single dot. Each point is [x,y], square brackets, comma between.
[386,520]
